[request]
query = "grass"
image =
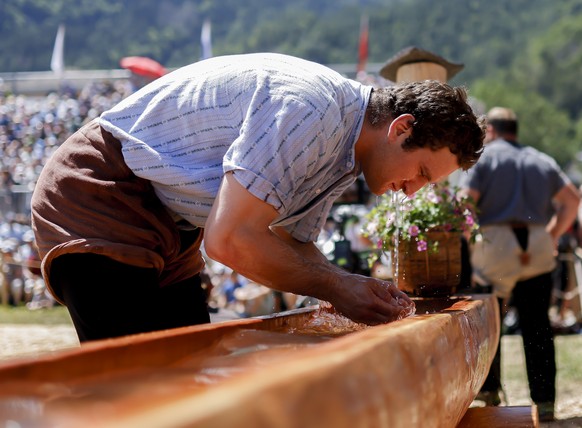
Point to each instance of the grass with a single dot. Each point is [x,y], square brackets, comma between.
[568,380]
[22,315]
[568,359]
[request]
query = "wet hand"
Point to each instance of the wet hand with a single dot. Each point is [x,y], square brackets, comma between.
[400,298]
[372,301]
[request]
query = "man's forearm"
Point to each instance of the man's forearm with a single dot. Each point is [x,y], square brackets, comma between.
[567,201]
[238,234]
[285,264]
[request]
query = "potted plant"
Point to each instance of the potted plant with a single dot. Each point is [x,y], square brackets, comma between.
[423,234]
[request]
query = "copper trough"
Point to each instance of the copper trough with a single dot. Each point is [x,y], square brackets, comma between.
[275,371]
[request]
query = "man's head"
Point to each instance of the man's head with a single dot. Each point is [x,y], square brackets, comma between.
[441,116]
[501,122]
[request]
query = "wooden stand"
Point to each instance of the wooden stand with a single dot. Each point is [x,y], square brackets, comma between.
[421,71]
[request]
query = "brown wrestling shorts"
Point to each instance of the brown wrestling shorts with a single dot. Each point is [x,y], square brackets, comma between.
[88,201]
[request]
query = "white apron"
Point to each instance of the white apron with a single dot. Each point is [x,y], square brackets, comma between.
[496,257]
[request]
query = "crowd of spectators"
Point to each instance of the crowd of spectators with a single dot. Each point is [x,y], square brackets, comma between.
[31,129]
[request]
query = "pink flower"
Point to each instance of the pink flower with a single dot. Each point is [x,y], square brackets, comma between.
[432,197]
[413,230]
[421,245]
[469,220]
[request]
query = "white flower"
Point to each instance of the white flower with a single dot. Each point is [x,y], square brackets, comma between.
[372,227]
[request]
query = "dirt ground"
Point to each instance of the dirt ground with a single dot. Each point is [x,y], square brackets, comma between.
[19,341]
[29,340]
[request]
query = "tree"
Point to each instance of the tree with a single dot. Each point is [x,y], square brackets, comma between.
[551,65]
[541,124]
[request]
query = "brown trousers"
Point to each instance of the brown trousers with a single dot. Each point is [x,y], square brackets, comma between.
[88,201]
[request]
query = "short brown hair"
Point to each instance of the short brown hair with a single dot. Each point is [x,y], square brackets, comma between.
[503,120]
[442,117]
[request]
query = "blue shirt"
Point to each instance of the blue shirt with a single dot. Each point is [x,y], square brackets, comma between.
[516,184]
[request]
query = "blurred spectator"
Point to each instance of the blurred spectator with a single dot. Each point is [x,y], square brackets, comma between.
[562,312]
[229,286]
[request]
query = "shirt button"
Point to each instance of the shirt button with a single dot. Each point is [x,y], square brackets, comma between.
[349,164]
[318,191]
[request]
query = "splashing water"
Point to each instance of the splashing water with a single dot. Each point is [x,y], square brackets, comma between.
[396,205]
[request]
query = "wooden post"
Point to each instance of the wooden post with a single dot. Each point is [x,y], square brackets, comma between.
[414,64]
[421,71]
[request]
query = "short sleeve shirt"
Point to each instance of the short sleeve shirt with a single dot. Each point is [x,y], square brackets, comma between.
[286,127]
[516,184]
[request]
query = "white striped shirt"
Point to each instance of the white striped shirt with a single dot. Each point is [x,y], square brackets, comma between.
[285,126]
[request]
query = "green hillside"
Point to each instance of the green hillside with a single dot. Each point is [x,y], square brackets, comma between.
[523,53]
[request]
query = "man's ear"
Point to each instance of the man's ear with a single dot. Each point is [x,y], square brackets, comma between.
[401,125]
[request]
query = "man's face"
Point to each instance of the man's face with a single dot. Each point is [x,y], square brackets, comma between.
[396,169]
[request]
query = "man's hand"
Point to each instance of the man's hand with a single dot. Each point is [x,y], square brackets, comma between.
[371,301]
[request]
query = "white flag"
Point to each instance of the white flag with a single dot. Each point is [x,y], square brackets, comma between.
[58,61]
[206,40]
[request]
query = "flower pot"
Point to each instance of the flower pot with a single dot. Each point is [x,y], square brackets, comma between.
[428,273]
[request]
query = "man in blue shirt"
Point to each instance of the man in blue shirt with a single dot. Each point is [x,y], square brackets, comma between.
[525,203]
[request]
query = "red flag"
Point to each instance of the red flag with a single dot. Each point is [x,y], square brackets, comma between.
[363,45]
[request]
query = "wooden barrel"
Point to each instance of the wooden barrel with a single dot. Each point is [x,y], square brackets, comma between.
[430,272]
